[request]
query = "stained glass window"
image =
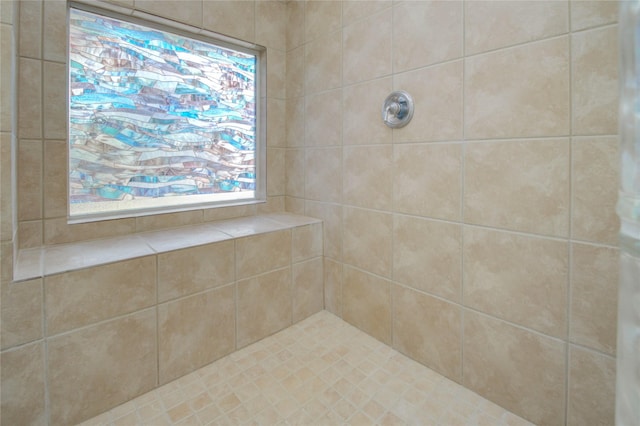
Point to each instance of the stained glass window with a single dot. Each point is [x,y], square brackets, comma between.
[158,120]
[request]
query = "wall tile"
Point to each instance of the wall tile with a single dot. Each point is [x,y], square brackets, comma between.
[23,386]
[294,205]
[306,242]
[322,17]
[427,180]
[428,330]
[264,306]
[276,73]
[97,368]
[30,37]
[361,103]
[195,269]
[437,96]
[195,331]
[366,303]
[367,238]
[518,92]
[308,291]
[325,127]
[594,57]
[353,10]
[494,24]
[169,220]
[273,204]
[212,16]
[595,183]
[55,178]
[323,174]
[29,98]
[79,298]
[8,13]
[7,79]
[262,253]
[521,371]
[29,234]
[295,123]
[592,383]
[276,171]
[331,215]
[276,123]
[522,279]
[271,20]
[587,14]
[295,33]
[6,193]
[6,262]
[58,231]
[21,312]
[222,213]
[520,185]
[323,63]
[425,33]
[54,31]
[29,175]
[295,73]
[333,286]
[594,297]
[427,256]
[367,48]
[368,176]
[294,160]
[54,100]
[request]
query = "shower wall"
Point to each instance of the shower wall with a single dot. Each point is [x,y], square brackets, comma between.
[481,239]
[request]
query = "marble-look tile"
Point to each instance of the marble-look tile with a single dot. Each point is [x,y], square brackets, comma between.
[333,286]
[323,174]
[276,172]
[58,231]
[69,257]
[592,383]
[437,97]
[321,17]
[427,180]
[368,176]
[184,237]
[231,212]
[354,10]
[295,33]
[522,91]
[21,312]
[54,96]
[93,369]
[295,73]
[588,14]
[594,81]
[270,23]
[515,368]
[29,263]
[7,78]
[195,331]
[55,176]
[291,220]
[6,192]
[323,126]
[191,270]
[522,279]
[366,303]
[427,256]
[492,25]
[519,185]
[276,123]
[362,102]
[29,179]
[595,180]
[30,37]
[87,296]
[168,220]
[264,306]
[594,297]
[295,122]
[306,242]
[323,63]
[30,234]
[192,12]
[247,226]
[294,161]
[262,253]
[367,48]
[367,238]
[428,330]
[308,291]
[426,32]
[331,215]
[29,95]
[22,392]
[54,31]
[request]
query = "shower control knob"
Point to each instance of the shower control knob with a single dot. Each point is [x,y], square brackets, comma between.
[397,109]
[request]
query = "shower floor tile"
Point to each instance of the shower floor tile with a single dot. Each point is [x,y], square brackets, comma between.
[321,371]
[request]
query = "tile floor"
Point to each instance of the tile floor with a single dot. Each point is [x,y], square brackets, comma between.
[321,371]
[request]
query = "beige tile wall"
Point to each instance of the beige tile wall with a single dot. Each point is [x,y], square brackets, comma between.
[481,238]
[115,331]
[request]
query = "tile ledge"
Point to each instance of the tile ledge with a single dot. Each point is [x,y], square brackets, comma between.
[42,261]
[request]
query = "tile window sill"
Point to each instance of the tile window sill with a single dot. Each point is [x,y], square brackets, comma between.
[42,261]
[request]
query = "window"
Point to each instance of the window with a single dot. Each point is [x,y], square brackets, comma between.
[160,120]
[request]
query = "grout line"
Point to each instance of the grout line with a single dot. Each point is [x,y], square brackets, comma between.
[157,309]
[569,291]
[463,154]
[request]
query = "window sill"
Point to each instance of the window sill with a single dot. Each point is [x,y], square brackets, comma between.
[42,261]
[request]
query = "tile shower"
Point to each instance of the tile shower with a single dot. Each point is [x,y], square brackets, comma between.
[480,240]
